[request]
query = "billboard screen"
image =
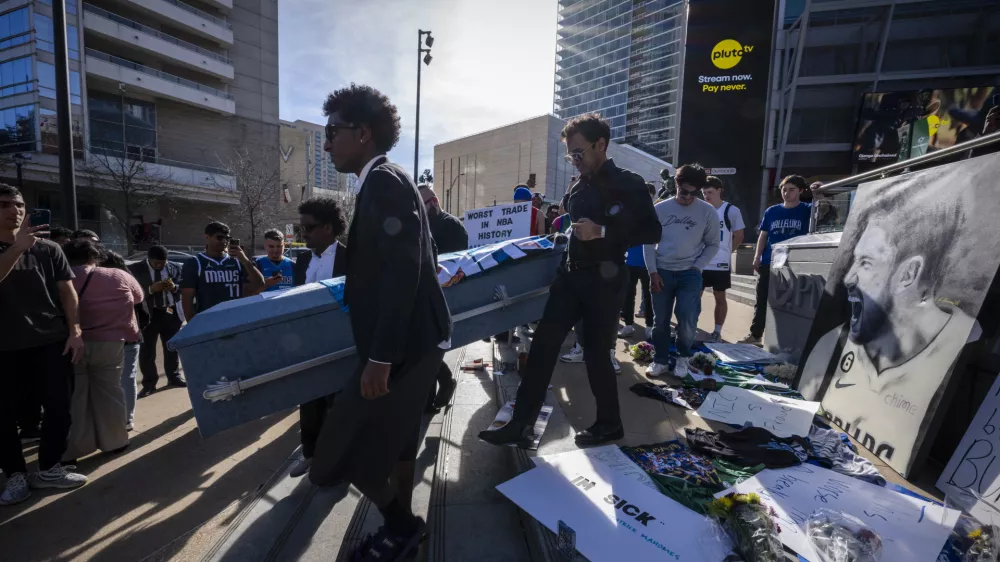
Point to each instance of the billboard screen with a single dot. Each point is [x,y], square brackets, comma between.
[723,109]
[896,126]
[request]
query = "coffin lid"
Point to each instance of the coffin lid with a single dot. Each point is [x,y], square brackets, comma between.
[252,313]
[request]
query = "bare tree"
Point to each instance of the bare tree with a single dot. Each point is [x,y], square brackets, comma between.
[135,181]
[257,185]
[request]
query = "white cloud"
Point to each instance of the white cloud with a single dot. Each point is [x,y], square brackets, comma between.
[493,62]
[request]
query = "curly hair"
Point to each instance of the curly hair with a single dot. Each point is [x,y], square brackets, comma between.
[592,126]
[326,210]
[364,105]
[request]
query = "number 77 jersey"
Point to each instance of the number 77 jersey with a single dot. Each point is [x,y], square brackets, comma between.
[214,280]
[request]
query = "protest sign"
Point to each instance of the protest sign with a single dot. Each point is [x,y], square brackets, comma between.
[614,517]
[497,224]
[741,353]
[784,417]
[608,455]
[911,529]
[972,477]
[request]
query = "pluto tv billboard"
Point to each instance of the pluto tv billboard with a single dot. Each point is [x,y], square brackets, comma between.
[723,109]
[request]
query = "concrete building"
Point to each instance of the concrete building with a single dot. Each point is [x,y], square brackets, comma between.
[174,84]
[623,58]
[482,169]
[304,165]
[829,54]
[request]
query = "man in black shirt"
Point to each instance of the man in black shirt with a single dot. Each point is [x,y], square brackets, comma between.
[611,212]
[219,274]
[40,338]
[449,235]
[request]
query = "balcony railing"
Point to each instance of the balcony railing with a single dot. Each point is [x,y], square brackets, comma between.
[159,74]
[191,9]
[155,33]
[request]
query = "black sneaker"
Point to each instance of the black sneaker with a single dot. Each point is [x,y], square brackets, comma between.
[599,435]
[146,391]
[514,434]
[386,546]
[445,393]
[178,382]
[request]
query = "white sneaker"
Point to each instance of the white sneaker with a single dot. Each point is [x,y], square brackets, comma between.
[657,370]
[626,331]
[129,426]
[716,336]
[300,466]
[614,363]
[649,332]
[575,355]
[16,490]
[58,476]
[681,369]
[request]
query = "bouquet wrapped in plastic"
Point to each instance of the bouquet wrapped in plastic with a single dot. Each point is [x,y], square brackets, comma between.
[642,352]
[750,525]
[839,537]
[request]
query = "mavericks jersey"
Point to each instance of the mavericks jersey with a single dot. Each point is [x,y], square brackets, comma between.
[214,281]
[721,260]
[268,267]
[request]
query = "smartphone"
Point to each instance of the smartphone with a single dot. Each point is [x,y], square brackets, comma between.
[39,217]
[234,242]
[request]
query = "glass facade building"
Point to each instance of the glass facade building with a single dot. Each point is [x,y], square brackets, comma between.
[623,58]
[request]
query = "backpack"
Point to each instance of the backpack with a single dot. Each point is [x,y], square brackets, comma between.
[725,216]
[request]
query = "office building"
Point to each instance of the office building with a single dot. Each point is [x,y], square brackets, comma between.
[177,85]
[623,58]
[481,170]
[304,164]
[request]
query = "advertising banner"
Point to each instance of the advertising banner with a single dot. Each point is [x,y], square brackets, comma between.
[723,109]
[897,126]
[497,224]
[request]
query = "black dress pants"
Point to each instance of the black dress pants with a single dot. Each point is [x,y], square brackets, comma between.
[641,276]
[52,374]
[162,325]
[760,307]
[312,414]
[594,295]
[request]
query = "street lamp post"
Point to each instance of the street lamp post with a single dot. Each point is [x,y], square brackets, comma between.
[426,59]
[452,186]
[64,119]
[19,160]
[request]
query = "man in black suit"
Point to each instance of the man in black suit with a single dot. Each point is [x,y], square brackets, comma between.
[321,221]
[400,320]
[161,283]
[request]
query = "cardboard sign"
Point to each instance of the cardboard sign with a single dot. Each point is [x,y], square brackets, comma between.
[497,224]
[911,529]
[615,518]
[609,456]
[783,417]
[972,477]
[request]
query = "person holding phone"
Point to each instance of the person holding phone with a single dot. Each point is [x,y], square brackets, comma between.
[219,274]
[160,280]
[275,267]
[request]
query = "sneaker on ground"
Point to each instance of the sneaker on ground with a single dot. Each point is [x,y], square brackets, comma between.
[681,368]
[129,426]
[658,370]
[649,333]
[59,476]
[16,490]
[614,363]
[300,466]
[575,355]
[716,336]
[752,339]
[626,331]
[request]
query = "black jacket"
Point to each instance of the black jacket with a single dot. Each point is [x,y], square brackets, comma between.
[398,311]
[448,232]
[302,265]
[618,200]
[140,270]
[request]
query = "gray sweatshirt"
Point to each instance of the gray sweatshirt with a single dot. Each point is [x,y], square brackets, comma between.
[691,236]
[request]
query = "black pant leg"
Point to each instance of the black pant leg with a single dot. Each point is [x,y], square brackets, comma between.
[57,377]
[29,405]
[444,373]
[760,307]
[13,372]
[647,311]
[168,329]
[147,351]
[628,307]
[312,414]
[600,321]
[562,310]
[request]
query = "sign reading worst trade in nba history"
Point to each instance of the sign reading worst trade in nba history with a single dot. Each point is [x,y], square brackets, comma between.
[498,224]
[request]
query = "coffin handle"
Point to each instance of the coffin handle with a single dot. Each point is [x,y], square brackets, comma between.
[500,294]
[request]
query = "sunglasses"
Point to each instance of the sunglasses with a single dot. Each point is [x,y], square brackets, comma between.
[576,156]
[687,193]
[331,130]
[309,227]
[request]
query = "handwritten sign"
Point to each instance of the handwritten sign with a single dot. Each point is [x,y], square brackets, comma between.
[497,224]
[911,529]
[972,477]
[615,517]
[783,417]
[608,455]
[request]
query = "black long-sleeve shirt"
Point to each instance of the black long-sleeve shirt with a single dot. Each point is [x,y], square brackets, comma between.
[618,200]
[448,232]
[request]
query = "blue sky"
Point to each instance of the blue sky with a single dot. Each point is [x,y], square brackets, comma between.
[493,62]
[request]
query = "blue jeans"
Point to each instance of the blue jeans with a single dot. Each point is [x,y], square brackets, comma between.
[129,367]
[683,288]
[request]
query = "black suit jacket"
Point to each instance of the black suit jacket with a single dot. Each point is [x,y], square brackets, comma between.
[398,311]
[302,265]
[140,270]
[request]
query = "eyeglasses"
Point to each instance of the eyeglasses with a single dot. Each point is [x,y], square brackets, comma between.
[687,193]
[576,156]
[309,227]
[331,130]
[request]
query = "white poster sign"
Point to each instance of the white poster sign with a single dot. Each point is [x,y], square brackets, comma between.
[615,518]
[741,353]
[972,477]
[608,455]
[497,224]
[782,416]
[911,529]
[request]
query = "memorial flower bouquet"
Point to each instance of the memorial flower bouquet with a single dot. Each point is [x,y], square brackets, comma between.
[781,371]
[703,363]
[642,352]
[750,525]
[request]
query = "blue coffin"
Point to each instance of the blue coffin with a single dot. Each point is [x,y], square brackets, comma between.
[255,356]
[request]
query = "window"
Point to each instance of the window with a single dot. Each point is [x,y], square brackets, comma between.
[15,77]
[44,30]
[70,5]
[47,83]
[122,129]
[17,129]
[50,135]
[14,28]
